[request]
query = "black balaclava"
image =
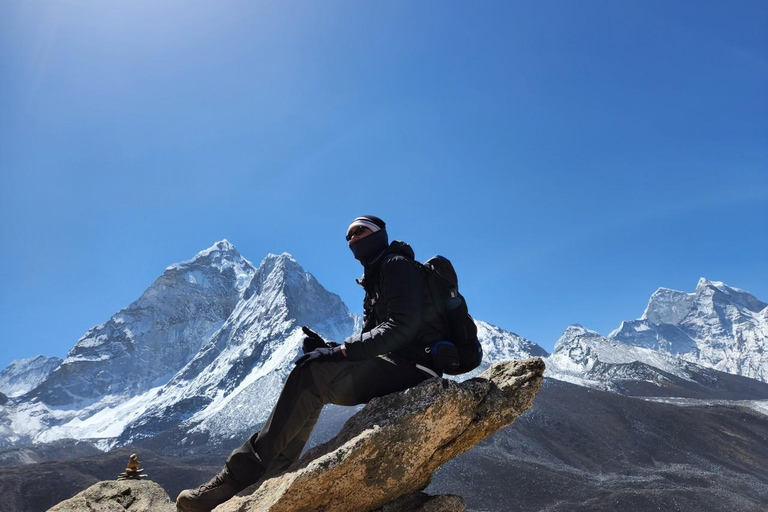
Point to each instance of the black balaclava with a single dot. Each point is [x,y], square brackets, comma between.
[367,249]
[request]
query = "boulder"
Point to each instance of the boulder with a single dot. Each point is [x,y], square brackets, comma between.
[393,446]
[119,496]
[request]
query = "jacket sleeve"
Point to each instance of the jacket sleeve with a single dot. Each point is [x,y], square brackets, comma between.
[401,288]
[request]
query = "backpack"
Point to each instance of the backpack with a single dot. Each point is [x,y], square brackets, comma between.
[461,352]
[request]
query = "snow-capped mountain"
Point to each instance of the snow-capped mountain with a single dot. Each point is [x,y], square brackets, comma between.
[501,345]
[26,374]
[211,336]
[586,358]
[717,325]
[146,343]
[233,382]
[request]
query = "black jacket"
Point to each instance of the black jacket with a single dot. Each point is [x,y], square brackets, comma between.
[400,316]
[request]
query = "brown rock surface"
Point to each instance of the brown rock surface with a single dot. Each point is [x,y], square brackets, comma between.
[119,496]
[393,446]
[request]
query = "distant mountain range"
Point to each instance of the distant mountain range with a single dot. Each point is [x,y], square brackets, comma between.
[671,408]
[585,358]
[197,361]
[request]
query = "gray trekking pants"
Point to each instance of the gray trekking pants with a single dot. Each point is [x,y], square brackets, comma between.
[309,387]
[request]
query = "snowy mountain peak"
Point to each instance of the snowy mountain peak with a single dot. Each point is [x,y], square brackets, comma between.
[23,375]
[668,306]
[705,283]
[156,335]
[292,292]
[273,272]
[671,307]
[222,257]
[284,263]
[222,249]
[500,345]
[571,335]
[721,292]
[573,350]
[717,325]
[281,273]
[279,257]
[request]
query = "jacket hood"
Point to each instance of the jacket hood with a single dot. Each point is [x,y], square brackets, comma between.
[398,247]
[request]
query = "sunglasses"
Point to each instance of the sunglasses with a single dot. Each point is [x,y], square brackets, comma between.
[359,230]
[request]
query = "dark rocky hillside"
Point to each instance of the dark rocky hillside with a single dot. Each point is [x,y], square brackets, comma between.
[580,449]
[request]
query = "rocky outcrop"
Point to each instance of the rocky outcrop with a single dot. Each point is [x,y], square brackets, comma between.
[382,458]
[394,445]
[119,496]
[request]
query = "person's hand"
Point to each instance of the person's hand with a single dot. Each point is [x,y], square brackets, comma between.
[322,354]
[311,340]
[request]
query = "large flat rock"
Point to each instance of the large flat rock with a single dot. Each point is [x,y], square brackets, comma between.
[394,445]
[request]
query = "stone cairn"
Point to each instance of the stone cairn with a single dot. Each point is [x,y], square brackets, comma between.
[133,470]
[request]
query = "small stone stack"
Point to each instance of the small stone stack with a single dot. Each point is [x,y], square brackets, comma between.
[133,470]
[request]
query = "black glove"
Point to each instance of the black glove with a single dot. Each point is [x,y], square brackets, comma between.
[321,354]
[312,341]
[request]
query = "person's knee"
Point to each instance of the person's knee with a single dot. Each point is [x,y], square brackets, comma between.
[303,372]
[303,377]
[323,378]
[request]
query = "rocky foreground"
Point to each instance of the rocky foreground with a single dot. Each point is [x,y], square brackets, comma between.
[382,458]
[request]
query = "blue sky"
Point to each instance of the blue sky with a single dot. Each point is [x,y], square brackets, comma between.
[569,157]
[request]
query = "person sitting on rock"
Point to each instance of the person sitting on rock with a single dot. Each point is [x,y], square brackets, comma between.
[399,321]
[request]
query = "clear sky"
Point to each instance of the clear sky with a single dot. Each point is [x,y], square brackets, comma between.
[570,157]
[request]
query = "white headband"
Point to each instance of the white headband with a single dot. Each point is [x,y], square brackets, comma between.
[362,221]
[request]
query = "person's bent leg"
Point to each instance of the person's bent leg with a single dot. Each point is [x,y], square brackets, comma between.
[343,383]
[358,383]
[280,441]
[296,410]
[299,404]
[292,452]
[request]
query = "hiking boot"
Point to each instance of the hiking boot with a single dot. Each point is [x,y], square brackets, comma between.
[209,495]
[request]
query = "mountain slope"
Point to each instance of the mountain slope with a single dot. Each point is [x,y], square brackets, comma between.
[585,450]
